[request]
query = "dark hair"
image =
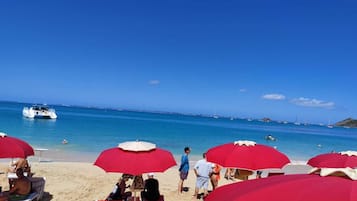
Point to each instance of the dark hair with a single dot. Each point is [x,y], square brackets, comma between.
[187,149]
[127,176]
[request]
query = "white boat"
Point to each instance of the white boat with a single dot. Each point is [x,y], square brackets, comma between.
[39,111]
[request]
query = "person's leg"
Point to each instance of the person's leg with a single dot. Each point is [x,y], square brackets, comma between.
[228,174]
[180,186]
[196,192]
[205,187]
[197,187]
[127,195]
[142,195]
[214,181]
[183,177]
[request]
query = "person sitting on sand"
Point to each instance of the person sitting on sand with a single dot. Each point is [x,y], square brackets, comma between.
[151,189]
[229,174]
[20,190]
[138,183]
[118,192]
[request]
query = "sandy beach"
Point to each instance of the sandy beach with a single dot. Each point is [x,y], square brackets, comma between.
[84,181]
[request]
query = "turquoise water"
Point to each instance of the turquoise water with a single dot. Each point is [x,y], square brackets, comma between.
[90,130]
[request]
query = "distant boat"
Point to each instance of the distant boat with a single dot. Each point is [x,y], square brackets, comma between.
[39,111]
[296,122]
[270,138]
[329,125]
[265,119]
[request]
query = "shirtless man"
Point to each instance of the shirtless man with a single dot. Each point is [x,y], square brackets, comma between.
[21,188]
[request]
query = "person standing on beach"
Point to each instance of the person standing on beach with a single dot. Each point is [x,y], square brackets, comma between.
[203,171]
[215,176]
[184,167]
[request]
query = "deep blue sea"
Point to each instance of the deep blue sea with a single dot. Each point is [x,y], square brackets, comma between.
[90,131]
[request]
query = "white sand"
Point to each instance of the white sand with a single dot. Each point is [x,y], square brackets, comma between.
[84,181]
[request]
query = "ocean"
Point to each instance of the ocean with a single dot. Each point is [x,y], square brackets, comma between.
[91,130]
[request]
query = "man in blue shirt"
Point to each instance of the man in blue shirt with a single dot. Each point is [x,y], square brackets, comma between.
[184,167]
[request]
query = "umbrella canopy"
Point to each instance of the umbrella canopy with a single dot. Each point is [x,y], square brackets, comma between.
[135,162]
[334,160]
[11,147]
[137,146]
[298,187]
[247,155]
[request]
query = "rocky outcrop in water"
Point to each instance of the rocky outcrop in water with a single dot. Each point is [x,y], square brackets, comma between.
[349,122]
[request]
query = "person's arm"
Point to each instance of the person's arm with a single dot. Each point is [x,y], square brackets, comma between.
[195,172]
[122,187]
[14,188]
[182,160]
[195,169]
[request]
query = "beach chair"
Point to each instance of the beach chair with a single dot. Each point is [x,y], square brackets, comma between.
[38,187]
[242,174]
[32,197]
[270,174]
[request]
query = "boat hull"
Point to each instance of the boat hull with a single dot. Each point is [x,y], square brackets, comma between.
[34,113]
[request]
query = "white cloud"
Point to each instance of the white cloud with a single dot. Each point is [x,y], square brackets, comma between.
[307,102]
[154,82]
[274,97]
[242,90]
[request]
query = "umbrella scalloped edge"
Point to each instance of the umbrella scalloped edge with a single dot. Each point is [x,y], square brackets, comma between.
[339,172]
[349,153]
[137,146]
[245,142]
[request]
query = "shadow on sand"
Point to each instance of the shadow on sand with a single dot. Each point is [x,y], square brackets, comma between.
[46,196]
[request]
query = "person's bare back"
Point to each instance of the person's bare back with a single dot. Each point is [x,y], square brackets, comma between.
[22,186]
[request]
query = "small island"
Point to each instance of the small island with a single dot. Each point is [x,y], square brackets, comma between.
[349,122]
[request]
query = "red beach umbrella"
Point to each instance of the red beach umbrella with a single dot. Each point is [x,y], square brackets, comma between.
[11,147]
[334,160]
[298,187]
[135,158]
[247,155]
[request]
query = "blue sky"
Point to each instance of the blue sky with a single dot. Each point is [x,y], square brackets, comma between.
[285,60]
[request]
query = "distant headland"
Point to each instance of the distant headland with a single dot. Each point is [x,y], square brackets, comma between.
[349,122]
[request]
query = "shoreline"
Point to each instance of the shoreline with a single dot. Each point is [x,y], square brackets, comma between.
[51,155]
